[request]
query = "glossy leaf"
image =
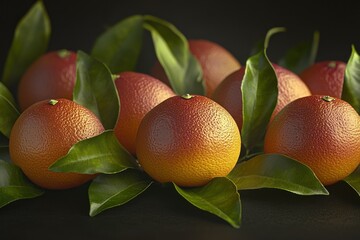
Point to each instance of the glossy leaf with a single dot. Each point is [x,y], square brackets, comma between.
[351,86]
[8,113]
[276,171]
[119,47]
[354,180]
[108,191]
[96,90]
[172,50]
[99,154]
[302,55]
[30,41]
[13,185]
[218,197]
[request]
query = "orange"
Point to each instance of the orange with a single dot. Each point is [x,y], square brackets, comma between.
[325,78]
[228,93]
[216,63]
[138,94]
[45,132]
[321,132]
[188,140]
[53,75]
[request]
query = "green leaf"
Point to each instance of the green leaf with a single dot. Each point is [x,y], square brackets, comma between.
[354,180]
[96,90]
[30,41]
[108,191]
[302,55]
[99,154]
[219,197]
[172,50]
[259,98]
[264,43]
[9,112]
[351,87]
[13,184]
[276,171]
[119,47]
[5,93]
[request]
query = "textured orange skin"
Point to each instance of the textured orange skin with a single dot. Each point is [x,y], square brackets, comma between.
[325,78]
[228,93]
[216,63]
[51,76]
[43,133]
[138,94]
[188,141]
[323,135]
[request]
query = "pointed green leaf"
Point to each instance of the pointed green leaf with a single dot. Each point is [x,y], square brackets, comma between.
[5,93]
[30,41]
[96,90]
[108,191]
[276,171]
[119,46]
[351,87]
[270,33]
[99,154]
[302,55]
[172,50]
[9,112]
[218,197]
[354,180]
[13,185]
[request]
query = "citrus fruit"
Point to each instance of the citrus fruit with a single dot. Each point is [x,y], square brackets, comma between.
[53,75]
[321,132]
[216,63]
[188,140]
[228,93]
[325,78]
[43,133]
[138,94]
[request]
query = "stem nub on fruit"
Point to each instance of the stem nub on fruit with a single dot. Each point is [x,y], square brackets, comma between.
[187,96]
[328,98]
[53,102]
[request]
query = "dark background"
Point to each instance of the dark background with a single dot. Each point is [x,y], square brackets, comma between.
[160,213]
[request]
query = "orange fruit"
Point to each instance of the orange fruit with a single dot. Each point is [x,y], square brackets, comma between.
[216,63]
[228,93]
[138,94]
[188,140]
[45,132]
[321,132]
[53,75]
[325,78]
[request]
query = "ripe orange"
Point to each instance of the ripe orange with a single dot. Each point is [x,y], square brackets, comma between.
[228,93]
[188,140]
[216,63]
[319,131]
[138,94]
[53,75]
[325,78]
[45,132]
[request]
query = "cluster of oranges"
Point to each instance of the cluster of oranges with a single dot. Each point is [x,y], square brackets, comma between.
[187,139]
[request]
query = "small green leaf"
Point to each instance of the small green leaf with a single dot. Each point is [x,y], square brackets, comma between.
[354,180]
[13,185]
[96,90]
[99,154]
[5,93]
[30,41]
[8,113]
[119,47]
[219,197]
[108,191]
[172,50]
[270,33]
[351,86]
[302,55]
[276,171]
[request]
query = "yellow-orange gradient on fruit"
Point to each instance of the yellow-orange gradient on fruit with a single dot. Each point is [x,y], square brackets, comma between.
[43,133]
[325,78]
[53,75]
[216,63]
[228,93]
[188,140]
[138,94]
[319,131]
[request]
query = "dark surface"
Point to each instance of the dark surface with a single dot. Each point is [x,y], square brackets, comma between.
[160,213]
